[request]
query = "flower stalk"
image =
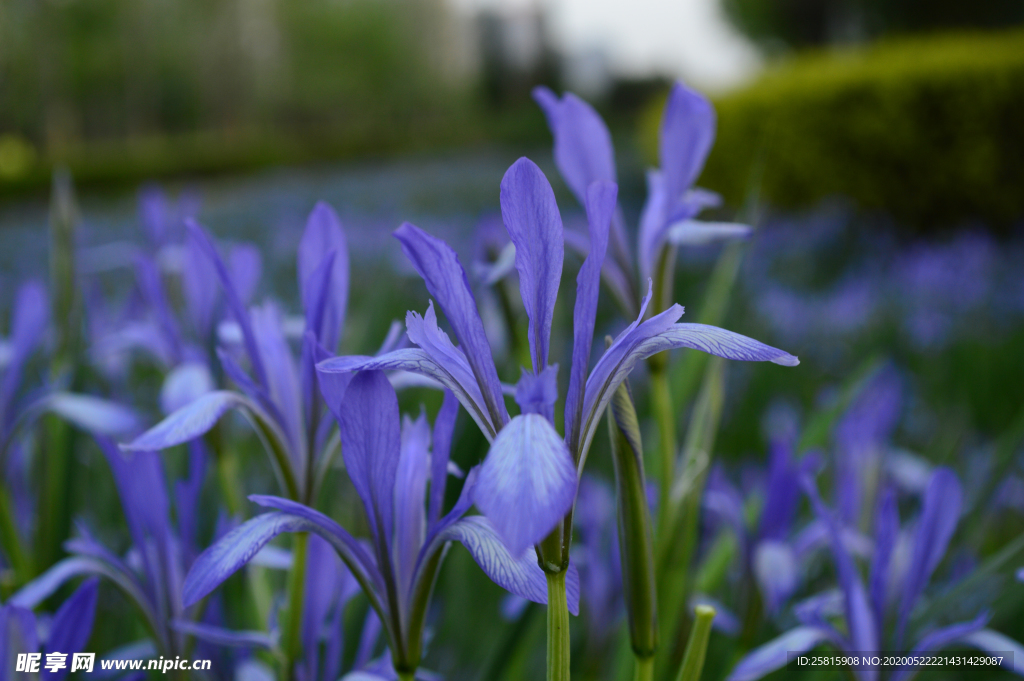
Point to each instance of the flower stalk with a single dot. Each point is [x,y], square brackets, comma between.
[296,593]
[558,628]
[697,646]
[634,520]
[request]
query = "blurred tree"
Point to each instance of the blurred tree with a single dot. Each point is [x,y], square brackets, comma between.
[781,24]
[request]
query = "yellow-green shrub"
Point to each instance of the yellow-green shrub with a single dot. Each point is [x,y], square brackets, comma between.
[929,129]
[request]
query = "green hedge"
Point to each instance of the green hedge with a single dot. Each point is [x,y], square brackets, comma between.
[929,129]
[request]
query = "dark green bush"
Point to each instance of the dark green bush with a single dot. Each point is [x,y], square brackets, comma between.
[930,130]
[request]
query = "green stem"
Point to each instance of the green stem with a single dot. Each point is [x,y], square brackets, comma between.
[406,676]
[697,647]
[10,540]
[296,587]
[558,628]
[55,522]
[661,395]
[644,670]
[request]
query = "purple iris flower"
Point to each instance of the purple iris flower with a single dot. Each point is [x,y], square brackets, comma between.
[877,616]
[584,154]
[151,573]
[22,403]
[278,393]
[390,466]
[528,481]
[68,631]
[770,554]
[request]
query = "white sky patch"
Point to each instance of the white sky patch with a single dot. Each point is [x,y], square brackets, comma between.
[688,39]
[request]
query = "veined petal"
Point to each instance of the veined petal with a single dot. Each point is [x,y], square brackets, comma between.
[72,624]
[183,384]
[656,335]
[583,145]
[775,654]
[531,217]
[446,281]
[527,482]
[537,393]
[370,446]
[521,576]
[358,560]
[189,422]
[601,197]
[419,362]
[28,323]
[233,550]
[323,235]
[687,133]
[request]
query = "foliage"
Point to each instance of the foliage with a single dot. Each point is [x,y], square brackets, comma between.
[925,129]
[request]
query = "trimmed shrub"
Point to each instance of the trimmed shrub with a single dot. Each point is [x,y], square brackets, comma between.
[930,130]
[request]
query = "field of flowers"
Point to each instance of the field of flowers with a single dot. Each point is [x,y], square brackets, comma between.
[306,439]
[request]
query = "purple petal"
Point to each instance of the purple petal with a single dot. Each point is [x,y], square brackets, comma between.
[72,625]
[28,323]
[940,638]
[415,361]
[887,529]
[191,421]
[323,576]
[994,642]
[352,552]
[199,286]
[282,377]
[777,572]
[410,491]
[536,394]
[150,283]
[234,300]
[601,197]
[440,453]
[943,501]
[184,384]
[653,222]
[225,637]
[370,446]
[687,133]
[17,635]
[531,217]
[93,414]
[446,281]
[527,482]
[246,265]
[860,619]
[316,296]
[424,332]
[775,654]
[699,233]
[658,334]
[521,576]
[614,277]
[234,550]
[583,145]
[324,235]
